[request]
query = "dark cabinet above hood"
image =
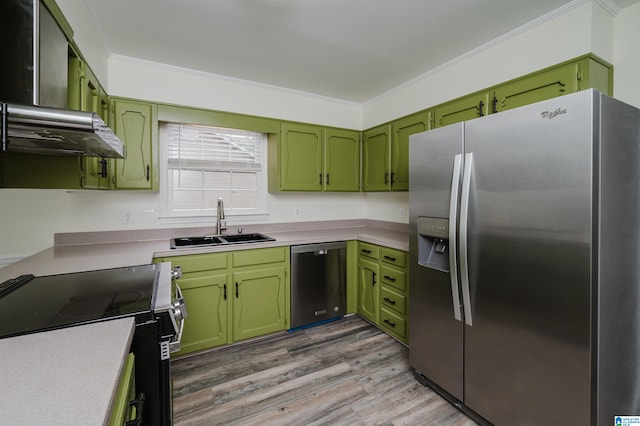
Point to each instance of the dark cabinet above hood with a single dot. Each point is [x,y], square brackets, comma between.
[54,131]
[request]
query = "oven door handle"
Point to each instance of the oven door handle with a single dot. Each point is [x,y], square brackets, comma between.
[178,314]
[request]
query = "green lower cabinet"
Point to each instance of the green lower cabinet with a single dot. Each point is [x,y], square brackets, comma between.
[259,302]
[383,295]
[233,296]
[122,411]
[206,300]
[368,293]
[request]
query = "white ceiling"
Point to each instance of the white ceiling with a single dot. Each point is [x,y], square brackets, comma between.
[353,50]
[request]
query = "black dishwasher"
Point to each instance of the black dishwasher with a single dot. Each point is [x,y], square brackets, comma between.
[318,283]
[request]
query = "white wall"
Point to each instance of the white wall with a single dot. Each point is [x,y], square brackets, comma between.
[626,55]
[557,37]
[29,218]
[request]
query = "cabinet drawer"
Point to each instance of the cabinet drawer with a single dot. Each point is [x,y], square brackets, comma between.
[393,277]
[392,322]
[199,262]
[258,256]
[369,250]
[393,300]
[394,257]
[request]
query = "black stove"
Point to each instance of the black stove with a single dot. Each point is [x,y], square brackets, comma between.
[31,304]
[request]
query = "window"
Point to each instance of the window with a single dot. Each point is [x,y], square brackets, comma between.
[204,163]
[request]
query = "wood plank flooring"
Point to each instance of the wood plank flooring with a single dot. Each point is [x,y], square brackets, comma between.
[343,373]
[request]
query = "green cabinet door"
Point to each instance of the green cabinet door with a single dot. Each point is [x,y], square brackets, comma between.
[368,289]
[341,160]
[258,302]
[402,129]
[96,170]
[537,87]
[462,109]
[300,157]
[206,298]
[136,124]
[376,159]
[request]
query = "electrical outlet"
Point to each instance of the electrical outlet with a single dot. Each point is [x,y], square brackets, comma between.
[296,212]
[403,212]
[127,216]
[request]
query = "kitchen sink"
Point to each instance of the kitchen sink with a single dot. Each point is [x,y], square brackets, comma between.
[195,241]
[215,240]
[246,238]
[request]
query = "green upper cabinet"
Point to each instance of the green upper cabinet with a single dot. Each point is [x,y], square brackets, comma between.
[341,160]
[300,157]
[376,159]
[311,158]
[86,94]
[570,77]
[461,109]
[402,129]
[385,153]
[136,124]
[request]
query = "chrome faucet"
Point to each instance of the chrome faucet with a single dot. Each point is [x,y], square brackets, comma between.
[220,225]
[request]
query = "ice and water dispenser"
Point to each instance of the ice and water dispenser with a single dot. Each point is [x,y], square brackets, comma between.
[433,243]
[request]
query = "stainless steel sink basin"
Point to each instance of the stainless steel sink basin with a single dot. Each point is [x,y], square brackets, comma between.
[186,242]
[245,238]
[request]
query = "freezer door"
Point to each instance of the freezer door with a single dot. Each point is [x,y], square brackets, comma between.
[527,354]
[436,336]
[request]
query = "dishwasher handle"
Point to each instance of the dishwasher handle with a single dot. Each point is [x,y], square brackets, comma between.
[320,252]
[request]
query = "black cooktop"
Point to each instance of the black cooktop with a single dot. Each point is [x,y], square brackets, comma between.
[31,304]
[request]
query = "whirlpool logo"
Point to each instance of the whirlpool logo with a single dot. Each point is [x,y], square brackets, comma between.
[553,114]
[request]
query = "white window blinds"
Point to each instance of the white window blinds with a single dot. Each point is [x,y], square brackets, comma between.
[205,163]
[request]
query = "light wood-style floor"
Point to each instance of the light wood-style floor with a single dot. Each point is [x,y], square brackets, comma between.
[343,373]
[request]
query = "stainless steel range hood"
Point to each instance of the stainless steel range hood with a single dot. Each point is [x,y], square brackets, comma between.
[55,131]
[34,72]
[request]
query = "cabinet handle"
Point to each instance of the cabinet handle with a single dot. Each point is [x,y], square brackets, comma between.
[225,292]
[393,280]
[494,104]
[386,178]
[237,293]
[320,177]
[393,302]
[103,168]
[392,324]
[139,404]
[365,251]
[148,173]
[393,178]
[327,179]
[373,278]
[393,259]
[481,107]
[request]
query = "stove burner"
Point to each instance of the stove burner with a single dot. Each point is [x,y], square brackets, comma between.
[101,304]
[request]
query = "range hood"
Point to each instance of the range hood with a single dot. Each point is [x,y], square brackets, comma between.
[55,131]
[33,88]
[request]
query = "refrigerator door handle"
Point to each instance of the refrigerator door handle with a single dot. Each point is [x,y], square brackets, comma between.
[464,216]
[453,251]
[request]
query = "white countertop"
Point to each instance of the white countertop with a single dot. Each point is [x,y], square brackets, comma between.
[63,377]
[100,255]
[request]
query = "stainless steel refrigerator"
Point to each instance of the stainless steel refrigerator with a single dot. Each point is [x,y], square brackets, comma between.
[525,262]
